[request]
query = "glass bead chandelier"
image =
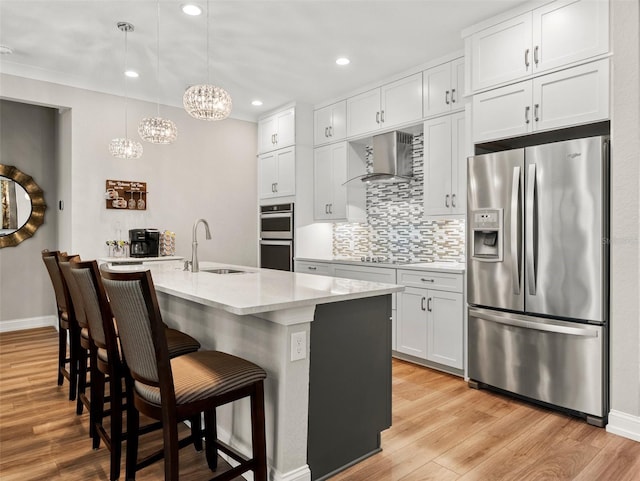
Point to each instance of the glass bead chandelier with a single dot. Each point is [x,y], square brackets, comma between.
[157,130]
[206,101]
[124,148]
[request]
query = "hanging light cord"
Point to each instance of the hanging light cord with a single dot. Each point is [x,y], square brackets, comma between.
[126,93]
[158,55]
[208,67]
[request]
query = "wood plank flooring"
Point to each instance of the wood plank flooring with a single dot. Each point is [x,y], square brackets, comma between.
[442,431]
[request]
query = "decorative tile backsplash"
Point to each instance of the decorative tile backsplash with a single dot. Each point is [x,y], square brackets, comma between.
[395,226]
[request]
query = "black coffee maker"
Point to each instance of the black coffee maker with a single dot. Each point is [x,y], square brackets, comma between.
[144,242]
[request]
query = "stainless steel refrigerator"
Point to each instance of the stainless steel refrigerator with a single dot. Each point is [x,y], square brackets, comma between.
[537,273]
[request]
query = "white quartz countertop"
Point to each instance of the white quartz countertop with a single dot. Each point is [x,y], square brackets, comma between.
[453,267]
[256,290]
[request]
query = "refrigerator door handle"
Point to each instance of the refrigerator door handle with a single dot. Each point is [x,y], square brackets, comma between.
[515,232]
[513,320]
[530,226]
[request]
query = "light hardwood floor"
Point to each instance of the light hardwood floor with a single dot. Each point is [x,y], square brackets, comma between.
[442,431]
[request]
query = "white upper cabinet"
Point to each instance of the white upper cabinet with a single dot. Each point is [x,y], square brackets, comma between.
[330,123]
[442,88]
[445,165]
[553,36]
[574,96]
[568,31]
[277,173]
[277,131]
[501,53]
[330,172]
[395,103]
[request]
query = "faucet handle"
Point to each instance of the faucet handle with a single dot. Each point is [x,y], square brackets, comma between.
[187,264]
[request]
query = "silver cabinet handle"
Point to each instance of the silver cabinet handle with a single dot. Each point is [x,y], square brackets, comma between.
[453,98]
[423,279]
[276,187]
[515,231]
[535,112]
[526,58]
[446,97]
[446,200]
[377,117]
[276,138]
[273,186]
[529,228]
[326,131]
[535,54]
[312,268]
[526,114]
[453,200]
[429,304]
[331,131]
[330,208]
[326,208]
[422,304]
[382,116]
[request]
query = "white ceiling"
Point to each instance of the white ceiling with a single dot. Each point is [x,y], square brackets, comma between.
[273,50]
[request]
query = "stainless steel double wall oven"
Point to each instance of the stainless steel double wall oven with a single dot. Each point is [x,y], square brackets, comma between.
[276,236]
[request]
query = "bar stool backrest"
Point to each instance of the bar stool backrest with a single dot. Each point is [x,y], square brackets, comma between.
[74,290]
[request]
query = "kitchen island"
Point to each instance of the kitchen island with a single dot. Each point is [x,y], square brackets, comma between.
[324,342]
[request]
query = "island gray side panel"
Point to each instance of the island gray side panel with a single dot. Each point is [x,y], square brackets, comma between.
[349,382]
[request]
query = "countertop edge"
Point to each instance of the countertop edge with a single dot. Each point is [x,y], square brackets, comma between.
[455,267]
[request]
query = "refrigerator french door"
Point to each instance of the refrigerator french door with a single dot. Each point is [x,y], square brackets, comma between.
[538,273]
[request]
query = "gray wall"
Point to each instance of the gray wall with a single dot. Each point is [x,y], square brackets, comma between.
[28,141]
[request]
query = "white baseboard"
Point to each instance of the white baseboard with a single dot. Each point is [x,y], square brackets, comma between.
[302,473]
[624,424]
[28,323]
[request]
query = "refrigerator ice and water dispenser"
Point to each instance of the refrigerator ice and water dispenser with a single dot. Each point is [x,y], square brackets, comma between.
[487,235]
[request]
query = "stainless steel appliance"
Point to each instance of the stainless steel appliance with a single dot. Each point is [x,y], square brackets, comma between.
[538,267]
[276,236]
[144,242]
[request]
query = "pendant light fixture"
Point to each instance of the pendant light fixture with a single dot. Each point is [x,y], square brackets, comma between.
[125,148]
[206,101]
[157,130]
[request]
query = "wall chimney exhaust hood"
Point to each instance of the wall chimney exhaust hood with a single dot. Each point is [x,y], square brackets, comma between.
[392,162]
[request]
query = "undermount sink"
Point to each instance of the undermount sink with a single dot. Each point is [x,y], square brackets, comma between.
[222,271]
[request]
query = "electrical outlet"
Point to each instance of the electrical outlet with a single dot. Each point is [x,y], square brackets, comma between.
[298,345]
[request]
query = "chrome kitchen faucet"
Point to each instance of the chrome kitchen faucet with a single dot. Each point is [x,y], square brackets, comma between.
[195,267]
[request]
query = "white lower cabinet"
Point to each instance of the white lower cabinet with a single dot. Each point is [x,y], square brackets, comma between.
[574,96]
[430,322]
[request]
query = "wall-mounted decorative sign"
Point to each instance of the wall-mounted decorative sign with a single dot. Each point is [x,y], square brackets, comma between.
[126,194]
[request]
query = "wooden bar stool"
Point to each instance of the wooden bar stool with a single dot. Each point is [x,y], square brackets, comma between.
[110,366]
[67,325]
[172,390]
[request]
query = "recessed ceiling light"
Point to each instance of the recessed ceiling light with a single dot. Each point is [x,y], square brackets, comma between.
[343,61]
[257,103]
[4,50]
[132,74]
[191,9]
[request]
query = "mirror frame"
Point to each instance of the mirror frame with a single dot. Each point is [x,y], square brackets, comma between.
[38,206]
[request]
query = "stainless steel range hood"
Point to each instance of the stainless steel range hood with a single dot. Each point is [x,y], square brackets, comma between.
[391,158]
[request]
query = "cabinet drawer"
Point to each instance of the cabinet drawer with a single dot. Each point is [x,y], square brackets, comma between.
[314,268]
[430,280]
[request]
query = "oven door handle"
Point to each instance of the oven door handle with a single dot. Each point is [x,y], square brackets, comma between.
[276,242]
[283,215]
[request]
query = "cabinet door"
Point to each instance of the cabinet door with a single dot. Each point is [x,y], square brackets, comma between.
[437,166]
[436,88]
[457,84]
[503,112]
[570,97]
[458,164]
[401,101]
[445,328]
[268,169]
[501,53]
[330,171]
[286,181]
[330,123]
[568,31]
[285,124]
[363,113]
[411,326]
[266,134]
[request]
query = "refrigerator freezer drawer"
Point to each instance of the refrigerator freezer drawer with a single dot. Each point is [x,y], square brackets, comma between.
[557,362]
